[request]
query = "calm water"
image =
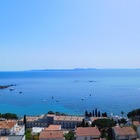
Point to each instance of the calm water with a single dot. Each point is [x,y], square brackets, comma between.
[111,91]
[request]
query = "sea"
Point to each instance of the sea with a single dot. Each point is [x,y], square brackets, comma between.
[70,91]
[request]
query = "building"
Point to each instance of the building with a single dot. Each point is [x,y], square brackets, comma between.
[53,128]
[36,130]
[53,135]
[87,133]
[66,122]
[34,121]
[3,138]
[12,137]
[11,128]
[124,133]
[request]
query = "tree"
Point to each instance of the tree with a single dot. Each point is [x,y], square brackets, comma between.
[83,123]
[96,112]
[93,113]
[87,124]
[123,120]
[104,123]
[86,113]
[50,112]
[69,136]
[99,114]
[25,122]
[9,116]
[90,114]
[122,113]
[134,114]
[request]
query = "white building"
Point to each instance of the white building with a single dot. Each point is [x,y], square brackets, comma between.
[87,133]
[11,128]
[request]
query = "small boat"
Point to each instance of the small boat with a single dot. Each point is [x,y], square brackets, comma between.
[11,89]
[82,99]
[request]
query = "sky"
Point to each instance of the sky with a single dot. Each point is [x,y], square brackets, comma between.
[67,34]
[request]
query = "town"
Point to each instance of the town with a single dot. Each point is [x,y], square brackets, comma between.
[60,126]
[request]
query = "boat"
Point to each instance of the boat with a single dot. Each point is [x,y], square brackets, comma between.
[82,99]
[11,89]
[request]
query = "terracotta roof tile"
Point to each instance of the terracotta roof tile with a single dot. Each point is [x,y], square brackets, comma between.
[53,128]
[87,131]
[51,135]
[3,138]
[136,123]
[124,130]
[7,124]
[96,118]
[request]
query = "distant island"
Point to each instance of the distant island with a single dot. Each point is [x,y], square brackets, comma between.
[6,86]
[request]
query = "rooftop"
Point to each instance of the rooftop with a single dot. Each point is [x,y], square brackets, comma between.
[95,118]
[87,131]
[53,128]
[68,118]
[123,131]
[51,134]
[136,123]
[7,124]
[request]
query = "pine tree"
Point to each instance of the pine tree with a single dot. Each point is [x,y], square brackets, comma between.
[83,123]
[99,114]
[93,113]
[96,112]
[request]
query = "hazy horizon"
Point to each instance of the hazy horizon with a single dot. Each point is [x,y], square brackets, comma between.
[69,34]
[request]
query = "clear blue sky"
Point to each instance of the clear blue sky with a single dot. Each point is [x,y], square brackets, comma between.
[49,34]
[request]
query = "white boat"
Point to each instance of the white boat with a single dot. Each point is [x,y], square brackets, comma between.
[11,89]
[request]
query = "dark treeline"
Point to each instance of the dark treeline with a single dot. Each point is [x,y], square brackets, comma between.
[134,114]
[8,116]
[95,113]
[57,113]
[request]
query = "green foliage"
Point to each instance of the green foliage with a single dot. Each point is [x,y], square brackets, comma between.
[104,123]
[83,123]
[134,128]
[28,130]
[69,136]
[29,136]
[134,114]
[9,116]
[123,120]
[104,114]
[51,112]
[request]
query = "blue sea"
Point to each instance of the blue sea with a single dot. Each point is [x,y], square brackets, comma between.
[110,91]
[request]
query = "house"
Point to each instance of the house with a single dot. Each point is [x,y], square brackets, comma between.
[3,138]
[11,128]
[68,122]
[124,133]
[53,128]
[12,137]
[87,133]
[53,135]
